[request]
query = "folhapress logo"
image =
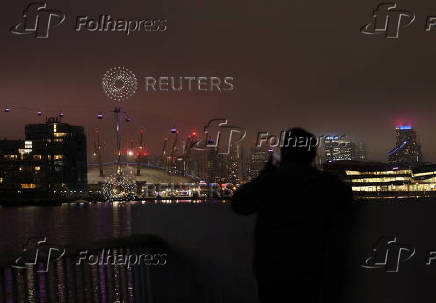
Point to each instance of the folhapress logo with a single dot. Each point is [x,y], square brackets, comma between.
[41,253]
[388,20]
[38,20]
[388,254]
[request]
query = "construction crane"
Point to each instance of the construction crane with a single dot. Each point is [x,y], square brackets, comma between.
[98,152]
[173,158]
[131,151]
[117,118]
[164,153]
[140,152]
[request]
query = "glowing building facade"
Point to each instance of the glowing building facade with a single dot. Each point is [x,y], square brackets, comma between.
[386,180]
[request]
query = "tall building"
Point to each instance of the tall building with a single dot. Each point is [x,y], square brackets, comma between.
[359,151]
[212,166]
[199,164]
[338,149]
[342,148]
[407,150]
[235,164]
[52,156]
[258,160]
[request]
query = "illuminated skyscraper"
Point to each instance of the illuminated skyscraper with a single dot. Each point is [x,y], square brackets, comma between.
[342,148]
[338,149]
[258,160]
[213,165]
[407,150]
[234,166]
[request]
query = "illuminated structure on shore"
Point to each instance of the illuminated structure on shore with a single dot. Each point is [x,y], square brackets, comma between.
[118,186]
[372,179]
[52,157]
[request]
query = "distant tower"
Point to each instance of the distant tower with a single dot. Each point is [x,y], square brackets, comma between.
[258,160]
[338,148]
[212,163]
[342,148]
[234,165]
[359,151]
[407,150]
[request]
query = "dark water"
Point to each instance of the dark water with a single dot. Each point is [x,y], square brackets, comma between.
[209,253]
[76,226]
[69,224]
[123,229]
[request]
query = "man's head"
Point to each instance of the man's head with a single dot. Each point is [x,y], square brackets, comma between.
[299,147]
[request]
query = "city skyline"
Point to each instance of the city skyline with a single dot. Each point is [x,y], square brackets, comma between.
[132,132]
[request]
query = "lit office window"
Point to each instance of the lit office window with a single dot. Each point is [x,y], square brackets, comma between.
[28,186]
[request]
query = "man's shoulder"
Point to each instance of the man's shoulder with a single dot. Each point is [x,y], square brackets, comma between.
[330,177]
[337,186]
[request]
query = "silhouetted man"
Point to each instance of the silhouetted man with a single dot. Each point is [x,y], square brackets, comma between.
[296,205]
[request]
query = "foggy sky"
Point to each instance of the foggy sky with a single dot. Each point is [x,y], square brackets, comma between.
[295,63]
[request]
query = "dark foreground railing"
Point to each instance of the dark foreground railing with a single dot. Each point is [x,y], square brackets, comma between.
[136,269]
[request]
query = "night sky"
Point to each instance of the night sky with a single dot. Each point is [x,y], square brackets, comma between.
[295,63]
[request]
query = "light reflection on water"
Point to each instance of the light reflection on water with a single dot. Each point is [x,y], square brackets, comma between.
[70,224]
[77,225]
[67,282]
